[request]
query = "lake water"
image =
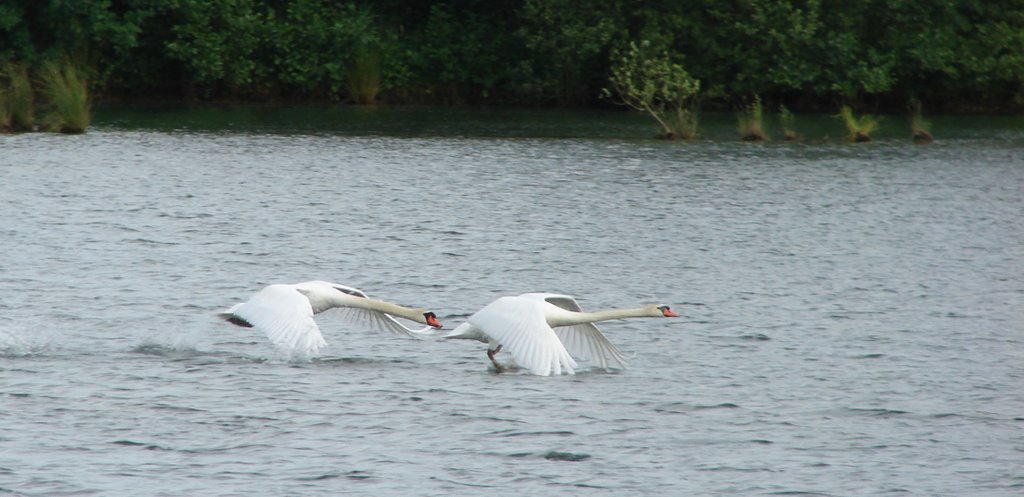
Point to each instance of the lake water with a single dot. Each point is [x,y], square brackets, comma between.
[853,315]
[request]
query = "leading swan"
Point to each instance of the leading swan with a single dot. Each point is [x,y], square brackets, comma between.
[543,331]
[285,314]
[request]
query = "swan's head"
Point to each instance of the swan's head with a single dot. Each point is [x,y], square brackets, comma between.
[667,312]
[431,319]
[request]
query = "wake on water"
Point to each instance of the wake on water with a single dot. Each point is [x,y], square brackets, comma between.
[24,342]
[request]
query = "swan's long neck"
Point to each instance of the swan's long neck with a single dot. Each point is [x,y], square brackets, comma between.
[570,318]
[394,309]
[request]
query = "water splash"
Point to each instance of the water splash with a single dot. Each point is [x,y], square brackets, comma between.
[24,343]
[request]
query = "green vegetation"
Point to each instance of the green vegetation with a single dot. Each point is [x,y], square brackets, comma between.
[919,126]
[806,54]
[751,122]
[787,121]
[646,80]
[364,77]
[16,111]
[67,98]
[858,129]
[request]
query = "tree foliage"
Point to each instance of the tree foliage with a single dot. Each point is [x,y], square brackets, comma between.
[568,43]
[800,53]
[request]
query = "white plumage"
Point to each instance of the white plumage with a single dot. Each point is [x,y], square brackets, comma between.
[544,332]
[285,313]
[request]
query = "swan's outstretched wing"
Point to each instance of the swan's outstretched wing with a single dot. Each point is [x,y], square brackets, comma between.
[345,289]
[365,319]
[518,324]
[322,297]
[585,341]
[286,317]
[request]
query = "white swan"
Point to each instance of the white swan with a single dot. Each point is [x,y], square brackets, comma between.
[543,331]
[285,314]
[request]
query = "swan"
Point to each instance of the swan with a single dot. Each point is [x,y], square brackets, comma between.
[285,313]
[543,331]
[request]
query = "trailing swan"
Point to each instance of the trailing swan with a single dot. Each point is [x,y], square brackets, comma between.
[285,313]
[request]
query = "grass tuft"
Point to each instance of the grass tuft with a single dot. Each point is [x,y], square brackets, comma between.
[67,97]
[919,126]
[751,122]
[684,126]
[16,99]
[364,77]
[858,129]
[787,120]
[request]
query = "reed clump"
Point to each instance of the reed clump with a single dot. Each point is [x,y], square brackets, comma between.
[919,126]
[684,126]
[858,129]
[787,121]
[363,77]
[751,122]
[67,98]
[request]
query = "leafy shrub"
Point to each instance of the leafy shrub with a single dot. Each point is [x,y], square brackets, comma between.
[650,82]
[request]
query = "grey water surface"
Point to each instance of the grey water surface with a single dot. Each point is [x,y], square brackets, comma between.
[852,315]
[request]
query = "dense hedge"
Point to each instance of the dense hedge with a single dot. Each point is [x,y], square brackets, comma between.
[805,53]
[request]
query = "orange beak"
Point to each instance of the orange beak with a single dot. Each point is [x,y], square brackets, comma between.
[669,313]
[432,321]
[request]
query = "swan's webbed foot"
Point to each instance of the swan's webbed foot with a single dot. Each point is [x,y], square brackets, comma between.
[490,355]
